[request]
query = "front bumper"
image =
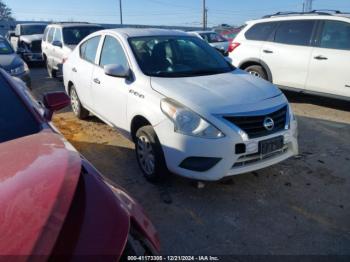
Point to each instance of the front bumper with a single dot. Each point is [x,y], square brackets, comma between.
[178,147]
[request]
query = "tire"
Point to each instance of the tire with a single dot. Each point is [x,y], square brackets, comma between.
[50,71]
[149,154]
[257,71]
[78,109]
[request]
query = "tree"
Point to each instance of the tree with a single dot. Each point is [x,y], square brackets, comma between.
[5,12]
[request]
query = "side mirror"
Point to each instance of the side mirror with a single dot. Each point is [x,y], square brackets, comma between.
[12,34]
[117,71]
[57,43]
[55,101]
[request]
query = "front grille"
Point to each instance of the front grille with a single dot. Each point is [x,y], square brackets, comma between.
[247,160]
[35,47]
[254,125]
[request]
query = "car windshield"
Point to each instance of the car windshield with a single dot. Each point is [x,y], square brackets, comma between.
[177,56]
[73,35]
[5,47]
[15,119]
[32,29]
[213,37]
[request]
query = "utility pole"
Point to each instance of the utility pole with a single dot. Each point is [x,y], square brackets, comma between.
[121,12]
[204,15]
[307,6]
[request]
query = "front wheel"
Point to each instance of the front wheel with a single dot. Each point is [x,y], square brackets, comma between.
[257,71]
[149,154]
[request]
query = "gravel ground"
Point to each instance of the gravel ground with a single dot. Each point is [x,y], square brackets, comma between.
[298,207]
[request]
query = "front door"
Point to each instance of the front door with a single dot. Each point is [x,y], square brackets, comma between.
[110,93]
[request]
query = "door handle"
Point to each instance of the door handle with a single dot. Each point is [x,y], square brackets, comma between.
[320,57]
[347,85]
[97,81]
[267,51]
[74,70]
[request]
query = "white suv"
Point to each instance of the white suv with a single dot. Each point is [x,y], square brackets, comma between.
[186,108]
[59,40]
[308,52]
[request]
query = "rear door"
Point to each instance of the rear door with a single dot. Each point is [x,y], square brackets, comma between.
[110,93]
[329,70]
[83,69]
[48,49]
[289,51]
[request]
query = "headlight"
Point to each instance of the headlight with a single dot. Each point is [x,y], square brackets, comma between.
[19,70]
[187,122]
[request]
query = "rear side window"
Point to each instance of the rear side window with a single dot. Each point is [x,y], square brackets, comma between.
[113,53]
[58,35]
[50,34]
[260,32]
[297,32]
[45,34]
[88,49]
[335,35]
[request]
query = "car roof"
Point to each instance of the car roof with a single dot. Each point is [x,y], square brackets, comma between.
[74,24]
[33,24]
[139,32]
[287,17]
[202,32]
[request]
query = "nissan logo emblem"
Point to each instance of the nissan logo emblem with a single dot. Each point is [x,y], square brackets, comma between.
[269,124]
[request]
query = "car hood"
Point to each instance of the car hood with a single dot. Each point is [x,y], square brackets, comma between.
[38,178]
[10,61]
[221,93]
[30,38]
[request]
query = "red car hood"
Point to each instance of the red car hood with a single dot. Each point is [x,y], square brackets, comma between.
[38,178]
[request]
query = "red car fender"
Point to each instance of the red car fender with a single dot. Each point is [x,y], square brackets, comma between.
[137,216]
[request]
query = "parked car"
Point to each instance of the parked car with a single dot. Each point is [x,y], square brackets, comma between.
[27,41]
[304,52]
[53,202]
[215,40]
[60,39]
[230,34]
[184,106]
[12,63]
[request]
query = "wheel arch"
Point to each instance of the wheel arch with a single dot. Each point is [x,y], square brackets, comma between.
[253,61]
[137,122]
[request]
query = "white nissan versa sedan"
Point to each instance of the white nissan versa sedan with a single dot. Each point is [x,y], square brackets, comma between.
[185,107]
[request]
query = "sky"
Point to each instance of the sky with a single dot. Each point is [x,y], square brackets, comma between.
[160,12]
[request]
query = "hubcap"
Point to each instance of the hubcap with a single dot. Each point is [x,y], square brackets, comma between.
[74,102]
[146,155]
[254,73]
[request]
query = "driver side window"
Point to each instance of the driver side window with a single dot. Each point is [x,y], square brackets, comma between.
[113,53]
